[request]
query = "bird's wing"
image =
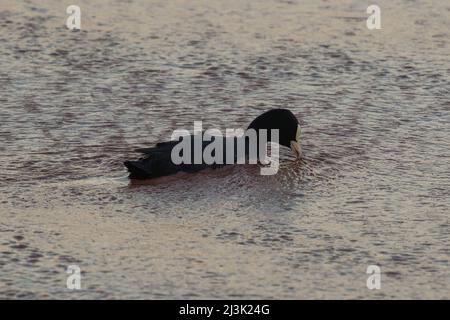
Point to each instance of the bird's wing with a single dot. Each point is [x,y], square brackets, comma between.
[157,161]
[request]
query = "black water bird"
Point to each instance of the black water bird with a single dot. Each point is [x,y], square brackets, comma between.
[157,161]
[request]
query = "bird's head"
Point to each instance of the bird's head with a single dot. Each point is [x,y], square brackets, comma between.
[287,124]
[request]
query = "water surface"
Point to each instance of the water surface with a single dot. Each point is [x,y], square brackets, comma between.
[373,187]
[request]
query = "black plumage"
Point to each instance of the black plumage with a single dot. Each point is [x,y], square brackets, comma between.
[157,161]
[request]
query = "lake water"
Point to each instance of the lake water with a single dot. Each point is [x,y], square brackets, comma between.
[373,188]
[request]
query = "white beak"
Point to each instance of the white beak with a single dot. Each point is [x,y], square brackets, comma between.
[295,145]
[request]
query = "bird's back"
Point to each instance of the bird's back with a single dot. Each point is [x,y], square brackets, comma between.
[157,161]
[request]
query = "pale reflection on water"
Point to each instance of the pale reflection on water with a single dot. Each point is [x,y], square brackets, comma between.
[373,187]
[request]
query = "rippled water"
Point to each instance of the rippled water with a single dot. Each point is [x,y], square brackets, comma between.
[373,187]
